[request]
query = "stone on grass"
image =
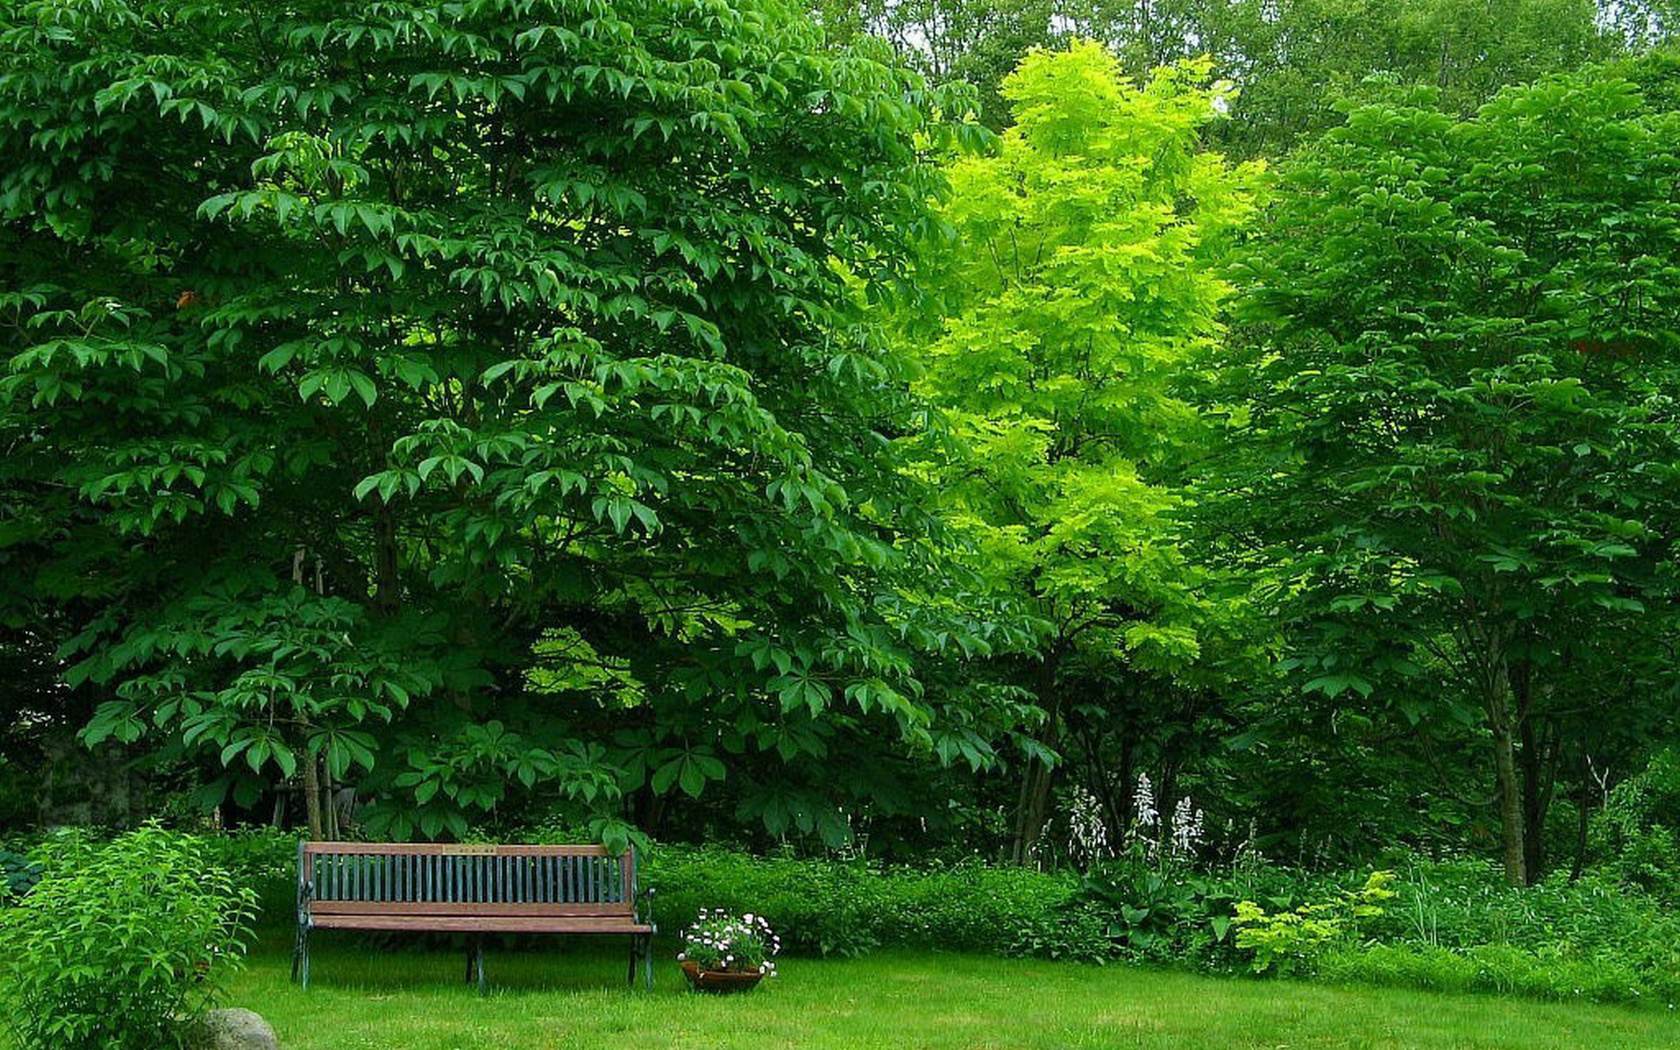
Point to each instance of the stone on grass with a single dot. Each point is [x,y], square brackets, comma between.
[236,1029]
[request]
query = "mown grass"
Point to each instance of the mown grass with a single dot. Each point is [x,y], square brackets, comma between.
[573,996]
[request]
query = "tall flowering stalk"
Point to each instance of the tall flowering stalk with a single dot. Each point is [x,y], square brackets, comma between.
[1143,804]
[1186,827]
[1087,831]
[1146,818]
[1184,831]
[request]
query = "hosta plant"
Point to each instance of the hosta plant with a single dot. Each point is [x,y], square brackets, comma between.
[718,942]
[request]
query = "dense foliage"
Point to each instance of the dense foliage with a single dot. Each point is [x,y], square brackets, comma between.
[1292,59]
[1117,475]
[1460,436]
[461,400]
[1451,925]
[1079,283]
[122,946]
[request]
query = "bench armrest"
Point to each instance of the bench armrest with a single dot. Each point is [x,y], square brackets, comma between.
[645,894]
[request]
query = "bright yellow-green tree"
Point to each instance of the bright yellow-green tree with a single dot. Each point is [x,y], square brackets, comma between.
[1080,285]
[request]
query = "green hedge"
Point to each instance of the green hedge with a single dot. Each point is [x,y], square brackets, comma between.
[1453,925]
[1502,969]
[848,908]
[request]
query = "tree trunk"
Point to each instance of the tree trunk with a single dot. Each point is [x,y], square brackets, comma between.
[1033,803]
[387,579]
[312,795]
[330,816]
[648,810]
[1581,818]
[1513,851]
[1038,811]
[309,764]
[1537,762]
[1113,792]
[1533,764]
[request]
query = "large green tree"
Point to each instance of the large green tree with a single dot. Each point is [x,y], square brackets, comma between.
[466,399]
[1458,429]
[1079,284]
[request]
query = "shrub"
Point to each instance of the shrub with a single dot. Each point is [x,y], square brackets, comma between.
[254,855]
[1074,933]
[1457,925]
[1462,905]
[849,908]
[1497,968]
[122,945]
[261,859]
[1160,911]
[1285,940]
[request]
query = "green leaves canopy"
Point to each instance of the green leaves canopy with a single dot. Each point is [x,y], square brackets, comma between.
[351,353]
[1462,430]
[1082,286]
[1078,290]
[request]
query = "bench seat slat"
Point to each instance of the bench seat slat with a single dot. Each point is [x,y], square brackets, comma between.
[480,923]
[418,908]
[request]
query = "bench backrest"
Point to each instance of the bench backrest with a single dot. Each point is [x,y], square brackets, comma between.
[389,878]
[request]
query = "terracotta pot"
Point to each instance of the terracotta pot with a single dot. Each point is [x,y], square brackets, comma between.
[720,982]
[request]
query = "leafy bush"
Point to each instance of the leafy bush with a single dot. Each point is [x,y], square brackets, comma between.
[1462,905]
[263,860]
[1452,924]
[1285,940]
[1075,932]
[122,945]
[1448,924]
[254,855]
[1497,968]
[852,907]
[1160,911]
[1457,925]
[1634,838]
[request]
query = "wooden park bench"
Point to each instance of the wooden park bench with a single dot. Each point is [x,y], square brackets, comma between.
[475,890]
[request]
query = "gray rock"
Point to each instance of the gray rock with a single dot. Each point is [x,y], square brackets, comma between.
[236,1029]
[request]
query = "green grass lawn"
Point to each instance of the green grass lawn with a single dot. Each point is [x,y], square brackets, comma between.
[574,996]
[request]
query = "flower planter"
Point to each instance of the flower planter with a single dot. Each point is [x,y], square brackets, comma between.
[721,982]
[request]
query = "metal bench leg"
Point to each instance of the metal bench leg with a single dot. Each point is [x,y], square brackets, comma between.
[641,958]
[300,958]
[475,964]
